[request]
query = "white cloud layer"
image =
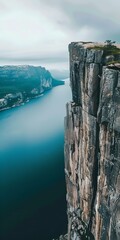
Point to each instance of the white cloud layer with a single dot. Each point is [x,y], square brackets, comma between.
[40,30]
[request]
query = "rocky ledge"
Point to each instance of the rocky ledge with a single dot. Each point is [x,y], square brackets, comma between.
[92,142]
[62,237]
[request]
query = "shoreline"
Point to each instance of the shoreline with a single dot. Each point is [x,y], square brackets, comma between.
[22,103]
[29,99]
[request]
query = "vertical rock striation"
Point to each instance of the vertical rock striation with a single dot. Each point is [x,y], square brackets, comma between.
[92,143]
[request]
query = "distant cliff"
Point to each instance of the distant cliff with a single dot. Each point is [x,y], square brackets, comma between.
[21,83]
[92,142]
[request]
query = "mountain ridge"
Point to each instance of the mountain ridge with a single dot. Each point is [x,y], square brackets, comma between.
[21,83]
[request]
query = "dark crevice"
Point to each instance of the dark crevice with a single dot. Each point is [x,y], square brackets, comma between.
[73,148]
[98,90]
[95,176]
[114,67]
[76,83]
[116,82]
[72,115]
[96,161]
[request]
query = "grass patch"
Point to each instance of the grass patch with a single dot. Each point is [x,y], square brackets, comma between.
[107,50]
[113,62]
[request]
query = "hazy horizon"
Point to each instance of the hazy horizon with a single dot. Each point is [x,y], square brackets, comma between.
[37,32]
[49,66]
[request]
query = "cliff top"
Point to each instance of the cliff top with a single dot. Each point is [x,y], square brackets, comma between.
[93,44]
[109,51]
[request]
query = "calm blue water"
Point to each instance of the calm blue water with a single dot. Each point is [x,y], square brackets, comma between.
[32,185]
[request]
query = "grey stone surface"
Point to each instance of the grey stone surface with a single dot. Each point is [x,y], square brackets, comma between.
[92,146]
[62,237]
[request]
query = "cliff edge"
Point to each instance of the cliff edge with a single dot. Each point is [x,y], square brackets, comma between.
[92,142]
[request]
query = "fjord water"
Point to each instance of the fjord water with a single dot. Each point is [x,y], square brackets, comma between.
[32,184]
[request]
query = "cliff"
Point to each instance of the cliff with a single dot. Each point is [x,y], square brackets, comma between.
[21,83]
[92,142]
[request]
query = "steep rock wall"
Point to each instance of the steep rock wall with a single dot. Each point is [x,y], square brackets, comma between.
[92,145]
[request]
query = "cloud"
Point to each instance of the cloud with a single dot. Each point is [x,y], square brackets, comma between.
[42,29]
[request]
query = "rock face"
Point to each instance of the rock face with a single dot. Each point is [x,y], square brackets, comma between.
[62,237]
[92,144]
[21,83]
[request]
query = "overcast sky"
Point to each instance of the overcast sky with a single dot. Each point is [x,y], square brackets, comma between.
[39,31]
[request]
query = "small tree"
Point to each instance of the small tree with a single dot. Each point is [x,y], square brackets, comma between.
[109,42]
